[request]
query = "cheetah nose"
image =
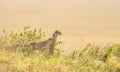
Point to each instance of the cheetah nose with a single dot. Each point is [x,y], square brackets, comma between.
[60,33]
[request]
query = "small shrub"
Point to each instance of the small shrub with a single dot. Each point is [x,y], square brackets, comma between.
[17,58]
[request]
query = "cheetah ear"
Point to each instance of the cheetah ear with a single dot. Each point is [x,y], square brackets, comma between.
[56,31]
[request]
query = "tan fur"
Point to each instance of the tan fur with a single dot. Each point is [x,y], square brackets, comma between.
[46,44]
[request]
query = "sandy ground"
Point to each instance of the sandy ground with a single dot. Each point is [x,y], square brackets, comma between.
[76,38]
[79,38]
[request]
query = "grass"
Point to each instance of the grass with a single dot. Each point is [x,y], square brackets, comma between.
[15,58]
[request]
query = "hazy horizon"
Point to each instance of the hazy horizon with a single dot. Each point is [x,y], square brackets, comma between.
[77,19]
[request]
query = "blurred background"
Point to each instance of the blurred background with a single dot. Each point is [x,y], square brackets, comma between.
[80,21]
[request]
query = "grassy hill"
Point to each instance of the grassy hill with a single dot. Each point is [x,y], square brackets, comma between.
[92,58]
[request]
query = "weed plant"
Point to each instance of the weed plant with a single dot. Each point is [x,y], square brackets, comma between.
[15,58]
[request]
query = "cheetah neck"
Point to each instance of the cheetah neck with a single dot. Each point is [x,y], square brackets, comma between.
[54,38]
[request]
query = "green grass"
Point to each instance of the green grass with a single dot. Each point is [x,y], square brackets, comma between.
[92,58]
